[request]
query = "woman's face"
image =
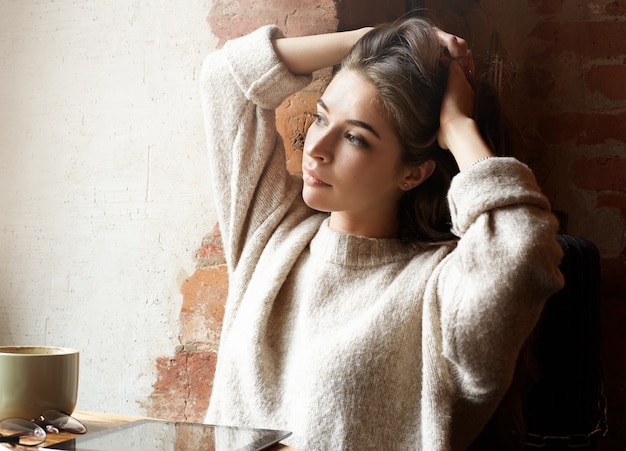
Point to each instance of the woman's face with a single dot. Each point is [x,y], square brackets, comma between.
[352,160]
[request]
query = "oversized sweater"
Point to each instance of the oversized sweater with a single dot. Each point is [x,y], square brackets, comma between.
[352,342]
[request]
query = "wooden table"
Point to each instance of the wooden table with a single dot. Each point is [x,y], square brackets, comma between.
[99,421]
[94,422]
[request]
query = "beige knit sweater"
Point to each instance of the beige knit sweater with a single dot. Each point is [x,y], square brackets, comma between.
[358,343]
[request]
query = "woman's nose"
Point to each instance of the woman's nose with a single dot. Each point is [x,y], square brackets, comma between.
[318,144]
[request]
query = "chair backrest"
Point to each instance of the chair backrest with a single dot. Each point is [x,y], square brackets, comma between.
[556,399]
[566,402]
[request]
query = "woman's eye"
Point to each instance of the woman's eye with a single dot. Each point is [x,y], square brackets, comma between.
[318,119]
[352,139]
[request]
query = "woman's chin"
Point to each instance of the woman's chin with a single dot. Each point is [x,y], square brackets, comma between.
[314,202]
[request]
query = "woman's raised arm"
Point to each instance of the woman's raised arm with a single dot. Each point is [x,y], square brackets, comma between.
[305,54]
[459,132]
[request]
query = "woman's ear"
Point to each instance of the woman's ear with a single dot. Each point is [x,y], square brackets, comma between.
[415,175]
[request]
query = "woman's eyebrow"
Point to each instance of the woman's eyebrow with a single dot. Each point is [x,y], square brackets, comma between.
[356,122]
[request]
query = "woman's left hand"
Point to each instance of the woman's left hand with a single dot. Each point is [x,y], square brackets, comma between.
[457,103]
[456,49]
[458,131]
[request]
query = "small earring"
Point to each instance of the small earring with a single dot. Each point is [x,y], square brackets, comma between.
[406,185]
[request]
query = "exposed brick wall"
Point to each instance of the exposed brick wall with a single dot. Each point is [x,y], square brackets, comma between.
[584,50]
[229,19]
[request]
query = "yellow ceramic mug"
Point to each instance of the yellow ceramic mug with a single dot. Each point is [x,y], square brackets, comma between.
[34,379]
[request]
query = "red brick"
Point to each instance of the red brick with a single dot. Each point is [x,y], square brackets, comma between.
[355,14]
[601,173]
[546,6]
[617,201]
[293,119]
[608,81]
[167,400]
[585,39]
[183,387]
[200,374]
[583,128]
[211,252]
[538,82]
[230,19]
[617,8]
[202,312]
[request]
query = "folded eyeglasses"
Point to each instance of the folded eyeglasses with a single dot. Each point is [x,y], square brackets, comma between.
[20,431]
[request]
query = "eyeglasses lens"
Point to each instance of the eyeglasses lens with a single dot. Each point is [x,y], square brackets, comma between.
[18,431]
[56,421]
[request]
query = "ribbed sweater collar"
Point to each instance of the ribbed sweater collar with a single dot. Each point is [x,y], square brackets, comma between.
[356,251]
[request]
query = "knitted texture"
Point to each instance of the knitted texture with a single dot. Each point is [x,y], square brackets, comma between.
[352,342]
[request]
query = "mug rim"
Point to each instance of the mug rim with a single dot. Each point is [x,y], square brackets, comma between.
[21,351]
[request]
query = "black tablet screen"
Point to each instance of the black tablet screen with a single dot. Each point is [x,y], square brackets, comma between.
[146,435]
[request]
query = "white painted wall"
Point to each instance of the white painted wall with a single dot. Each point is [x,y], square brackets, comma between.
[103,190]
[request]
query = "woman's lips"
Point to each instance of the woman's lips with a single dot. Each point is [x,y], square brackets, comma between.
[311,179]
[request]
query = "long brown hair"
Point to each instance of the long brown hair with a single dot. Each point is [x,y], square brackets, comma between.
[404,62]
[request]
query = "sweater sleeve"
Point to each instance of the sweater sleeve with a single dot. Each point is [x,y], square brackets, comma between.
[241,86]
[493,285]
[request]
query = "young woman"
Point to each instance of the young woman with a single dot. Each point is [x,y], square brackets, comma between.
[379,300]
